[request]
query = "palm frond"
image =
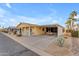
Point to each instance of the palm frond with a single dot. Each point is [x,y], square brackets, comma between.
[68,21]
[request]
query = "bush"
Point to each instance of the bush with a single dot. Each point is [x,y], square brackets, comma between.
[5,31]
[75,33]
[14,32]
[60,41]
[19,35]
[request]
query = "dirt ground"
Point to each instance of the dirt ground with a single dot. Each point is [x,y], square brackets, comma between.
[70,48]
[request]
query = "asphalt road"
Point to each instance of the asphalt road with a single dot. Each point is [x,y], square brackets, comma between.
[9,47]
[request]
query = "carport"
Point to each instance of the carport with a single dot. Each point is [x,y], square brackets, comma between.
[53,29]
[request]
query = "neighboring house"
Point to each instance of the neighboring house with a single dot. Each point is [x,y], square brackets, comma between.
[11,29]
[1,29]
[33,29]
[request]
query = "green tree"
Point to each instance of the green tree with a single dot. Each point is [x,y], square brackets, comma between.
[68,23]
[71,20]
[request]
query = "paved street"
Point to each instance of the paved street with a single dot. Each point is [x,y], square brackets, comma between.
[8,47]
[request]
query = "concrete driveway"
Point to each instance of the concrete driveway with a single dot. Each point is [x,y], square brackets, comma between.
[9,47]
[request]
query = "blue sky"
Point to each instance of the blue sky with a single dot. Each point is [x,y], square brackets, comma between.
[40,13]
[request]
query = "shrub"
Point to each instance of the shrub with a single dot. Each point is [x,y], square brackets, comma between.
[5,31]
[14,32]
[19,35]
[60,41]
[75,33]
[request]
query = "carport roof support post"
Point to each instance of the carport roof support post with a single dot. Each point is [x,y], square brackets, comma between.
[29,30]
[60,30]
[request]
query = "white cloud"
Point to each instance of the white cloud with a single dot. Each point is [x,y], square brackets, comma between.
[32,20]
[41,21]
[8,5]
[11,19]
[2,23]
[54,21]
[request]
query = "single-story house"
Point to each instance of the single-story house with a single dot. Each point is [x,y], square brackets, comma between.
[33,29]
[11,29]
[1,29]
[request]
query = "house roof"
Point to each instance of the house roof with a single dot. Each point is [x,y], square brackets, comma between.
[52,25]
[49,25]
[26,24]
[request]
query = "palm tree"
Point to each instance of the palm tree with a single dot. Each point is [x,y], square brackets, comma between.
[72,15]
[71,19]
[68,23]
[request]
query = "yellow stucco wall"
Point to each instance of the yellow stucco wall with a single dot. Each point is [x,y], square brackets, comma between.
[22,25]
[37,31]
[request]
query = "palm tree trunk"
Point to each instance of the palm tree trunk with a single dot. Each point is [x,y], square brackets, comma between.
[72,24]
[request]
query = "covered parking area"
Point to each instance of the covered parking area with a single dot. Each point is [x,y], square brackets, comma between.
[54,29]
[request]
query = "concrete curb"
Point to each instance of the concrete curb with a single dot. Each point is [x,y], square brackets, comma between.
[36,50]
